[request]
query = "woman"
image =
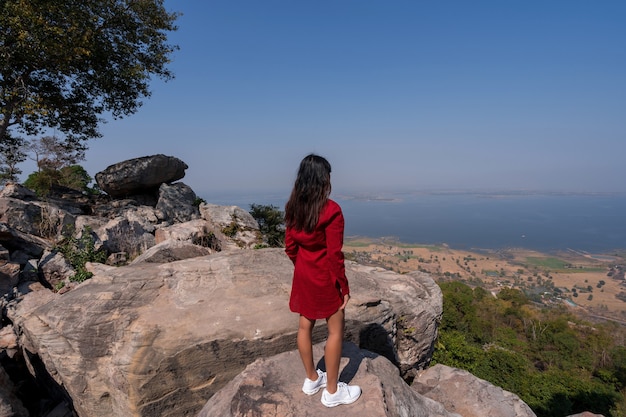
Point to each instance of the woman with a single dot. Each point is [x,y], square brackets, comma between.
[313,241]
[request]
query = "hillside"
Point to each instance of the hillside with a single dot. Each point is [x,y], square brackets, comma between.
[546,351]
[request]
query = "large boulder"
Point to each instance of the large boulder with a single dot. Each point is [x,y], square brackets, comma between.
[162,339]
[195,231]
[22,246]
[271,387]
[17,191]
[36,218]
[55,269]
[176,203]
[233,227]
[463,393]
[124,235]
[9,276]
[140,175]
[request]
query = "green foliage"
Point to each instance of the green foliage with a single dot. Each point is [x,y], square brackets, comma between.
[516,297]
[197,201]
[271,224]
[231,229]
[41,182]
[504,368]
[557,364]
[549,263]
[618,369]
[453,349]
[64,63]
[74,177]
[79,251]
[458,306]
[11,154]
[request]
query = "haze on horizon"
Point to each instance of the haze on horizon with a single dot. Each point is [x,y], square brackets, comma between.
[397,95]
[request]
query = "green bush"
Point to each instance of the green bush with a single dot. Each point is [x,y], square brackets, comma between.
[41,182]
[73,176]
[271,224]
[197,201]
[79,251]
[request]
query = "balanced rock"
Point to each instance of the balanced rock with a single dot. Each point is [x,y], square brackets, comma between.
[162,339]
[140,175]
[271,387]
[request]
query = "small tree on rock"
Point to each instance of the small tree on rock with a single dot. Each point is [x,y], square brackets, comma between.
[271,223]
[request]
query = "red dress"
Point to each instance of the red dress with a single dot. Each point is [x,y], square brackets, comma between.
[319,278]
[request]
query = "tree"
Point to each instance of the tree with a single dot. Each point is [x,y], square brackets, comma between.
[56,165]
[458,303]
[516,297]
[271,223]
[72,176]
[11,154]
[51,153]
[64,63]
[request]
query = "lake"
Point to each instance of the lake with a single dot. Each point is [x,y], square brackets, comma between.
[593,223]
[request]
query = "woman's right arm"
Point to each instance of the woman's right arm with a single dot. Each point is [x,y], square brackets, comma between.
[291,248]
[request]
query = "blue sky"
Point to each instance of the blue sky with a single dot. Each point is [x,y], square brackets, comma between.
[396,94]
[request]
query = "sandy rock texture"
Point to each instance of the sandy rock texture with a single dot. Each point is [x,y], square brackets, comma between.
[161,339]
[463,393]
[271,387]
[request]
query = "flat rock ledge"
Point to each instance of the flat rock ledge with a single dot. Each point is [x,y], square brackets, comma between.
[463,393]
[161,339]
[271,387]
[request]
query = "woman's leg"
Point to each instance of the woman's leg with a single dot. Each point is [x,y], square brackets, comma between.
[332,351]
[305,346]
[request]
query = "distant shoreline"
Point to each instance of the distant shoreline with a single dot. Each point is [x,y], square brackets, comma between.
[397,196]
[603,256]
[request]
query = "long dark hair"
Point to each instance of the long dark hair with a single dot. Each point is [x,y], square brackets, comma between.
[309,194]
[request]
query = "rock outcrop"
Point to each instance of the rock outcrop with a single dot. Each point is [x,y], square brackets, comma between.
[143,202]
[463,393]
[271,387]
[233,226]
[189,316]
[161,339]
[151,211]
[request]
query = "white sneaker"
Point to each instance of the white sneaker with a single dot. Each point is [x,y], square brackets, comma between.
[346,394]
[311,387]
